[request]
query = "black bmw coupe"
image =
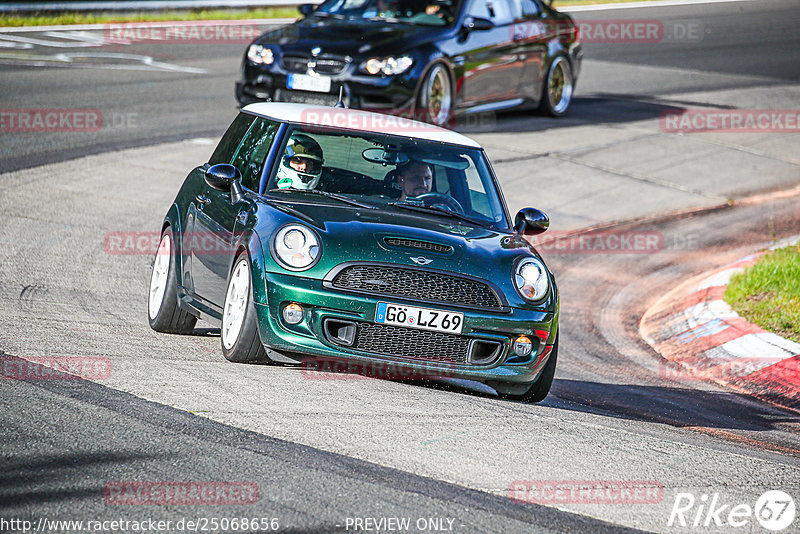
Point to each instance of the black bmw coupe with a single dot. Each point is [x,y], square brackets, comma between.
[426,59]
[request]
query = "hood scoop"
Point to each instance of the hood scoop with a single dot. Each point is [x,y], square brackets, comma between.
[417,244]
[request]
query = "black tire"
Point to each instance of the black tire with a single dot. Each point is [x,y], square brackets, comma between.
[554,101]
[539,389]
[168,318]
[246,346]
[437,76]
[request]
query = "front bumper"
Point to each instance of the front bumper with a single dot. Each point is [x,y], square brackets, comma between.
[309,338]
[375,93]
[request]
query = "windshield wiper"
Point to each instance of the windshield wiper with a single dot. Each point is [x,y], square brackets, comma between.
[439,211]
[334,196]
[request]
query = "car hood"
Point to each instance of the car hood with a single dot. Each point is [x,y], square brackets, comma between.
[358,235]
[349,38]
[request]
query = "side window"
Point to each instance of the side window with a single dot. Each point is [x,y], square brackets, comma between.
[498,11]
[227,145]
[530,9]
[249,157]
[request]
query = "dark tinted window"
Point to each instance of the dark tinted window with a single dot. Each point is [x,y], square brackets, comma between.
[530,8]
[249,158]
[498,11]
[230,141]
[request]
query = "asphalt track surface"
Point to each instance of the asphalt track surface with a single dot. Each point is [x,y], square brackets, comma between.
[322,451]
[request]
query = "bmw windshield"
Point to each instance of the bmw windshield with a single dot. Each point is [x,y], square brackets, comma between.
[422,12]
[387,172]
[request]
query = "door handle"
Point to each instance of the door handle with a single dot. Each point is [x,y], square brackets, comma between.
[202,199]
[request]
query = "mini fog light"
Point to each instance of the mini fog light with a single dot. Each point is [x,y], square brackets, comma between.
[293,313]
[522,346]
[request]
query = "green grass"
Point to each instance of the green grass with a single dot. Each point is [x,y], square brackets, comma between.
[86,17]
[768,293]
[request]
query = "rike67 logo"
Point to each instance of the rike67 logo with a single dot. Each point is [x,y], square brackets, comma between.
[774,510]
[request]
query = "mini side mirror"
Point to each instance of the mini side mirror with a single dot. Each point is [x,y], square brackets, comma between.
[530,221]
[478,24]
[221,176]
[306,9]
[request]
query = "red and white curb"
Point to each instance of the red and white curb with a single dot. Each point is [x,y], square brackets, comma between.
[700,337]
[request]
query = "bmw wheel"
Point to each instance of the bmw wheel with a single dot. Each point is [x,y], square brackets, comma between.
[435,103]
[239,331]
[163,312]
[557,90]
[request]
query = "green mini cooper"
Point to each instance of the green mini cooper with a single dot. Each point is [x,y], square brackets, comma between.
[331,234]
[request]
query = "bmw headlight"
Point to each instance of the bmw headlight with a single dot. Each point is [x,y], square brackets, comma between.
[260,55]
[389,65]
[531,279]
[295,247]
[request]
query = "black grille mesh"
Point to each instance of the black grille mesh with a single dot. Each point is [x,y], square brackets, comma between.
[321,65]
[306,97]
[409,343]
[417,244]
[419,285]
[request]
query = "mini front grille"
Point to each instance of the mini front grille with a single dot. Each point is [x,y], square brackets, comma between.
[408,343]
[320,65]
[416,284]
[417,244]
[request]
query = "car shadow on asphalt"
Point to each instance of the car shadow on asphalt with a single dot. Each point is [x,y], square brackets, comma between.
[585,110]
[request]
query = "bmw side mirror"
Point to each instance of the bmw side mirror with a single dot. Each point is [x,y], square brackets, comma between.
[478,24]
[305,9]
[530,221]
[221,176]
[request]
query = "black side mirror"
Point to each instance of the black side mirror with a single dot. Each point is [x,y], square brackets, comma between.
[221,176]
[478,24]
[306,9]
[530,221]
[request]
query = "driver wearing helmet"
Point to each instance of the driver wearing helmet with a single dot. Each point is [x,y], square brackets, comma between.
[301,163]
[414,178]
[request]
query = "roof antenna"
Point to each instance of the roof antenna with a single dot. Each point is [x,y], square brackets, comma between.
[340,103]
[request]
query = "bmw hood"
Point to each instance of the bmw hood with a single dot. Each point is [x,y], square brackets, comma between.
[348,38]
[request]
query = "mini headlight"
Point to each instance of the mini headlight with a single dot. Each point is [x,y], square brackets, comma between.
[295,247]
[260,55]
[389,66]
[531,279]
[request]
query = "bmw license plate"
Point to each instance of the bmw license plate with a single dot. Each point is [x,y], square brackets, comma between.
[304,82]
[424,318]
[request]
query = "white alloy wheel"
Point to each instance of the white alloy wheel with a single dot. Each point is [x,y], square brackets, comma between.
[235,306]
[159,276]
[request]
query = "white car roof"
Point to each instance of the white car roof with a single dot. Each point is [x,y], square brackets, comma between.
[354,119]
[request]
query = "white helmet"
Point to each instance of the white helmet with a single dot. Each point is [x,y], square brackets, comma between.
[306,155]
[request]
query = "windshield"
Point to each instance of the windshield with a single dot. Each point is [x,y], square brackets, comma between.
[388,172]
[423,12]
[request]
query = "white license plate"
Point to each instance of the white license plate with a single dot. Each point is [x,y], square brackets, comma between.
[423,318]
[304,82]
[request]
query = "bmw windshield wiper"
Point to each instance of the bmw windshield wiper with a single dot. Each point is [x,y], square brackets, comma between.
[439,211]
[334,196]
